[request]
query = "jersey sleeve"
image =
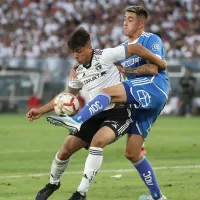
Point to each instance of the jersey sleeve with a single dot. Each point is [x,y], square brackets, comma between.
[75,84]
[155,45]
[112,55]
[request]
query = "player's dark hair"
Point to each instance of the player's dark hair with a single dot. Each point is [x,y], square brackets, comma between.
[139,10]
[78,39]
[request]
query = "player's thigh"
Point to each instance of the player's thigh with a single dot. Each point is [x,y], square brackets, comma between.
[103,137]
[141,92]
[113,128]
[71,145]
[89,129]
[117,93]
[143,120]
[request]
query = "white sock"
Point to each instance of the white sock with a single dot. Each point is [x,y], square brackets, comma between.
[92,165]
[57,169]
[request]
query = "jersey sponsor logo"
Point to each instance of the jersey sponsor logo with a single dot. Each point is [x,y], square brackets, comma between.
[95,107]
[93,78]
[144,97]
[156,46]
[130,62]
[148,178]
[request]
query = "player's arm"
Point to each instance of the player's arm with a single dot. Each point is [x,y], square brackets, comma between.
[146,69]
[113,55]
[144,53]
[36,113]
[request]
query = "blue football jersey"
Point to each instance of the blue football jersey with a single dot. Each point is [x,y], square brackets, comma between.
[154,44]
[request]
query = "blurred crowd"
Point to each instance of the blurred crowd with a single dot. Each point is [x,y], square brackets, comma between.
[40,28]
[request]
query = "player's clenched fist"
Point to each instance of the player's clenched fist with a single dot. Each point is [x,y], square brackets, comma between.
[33,114]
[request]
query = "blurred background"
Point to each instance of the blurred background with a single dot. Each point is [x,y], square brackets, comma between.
[35,61]
[34,67]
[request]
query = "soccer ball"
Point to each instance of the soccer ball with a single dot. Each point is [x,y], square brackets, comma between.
[66,103]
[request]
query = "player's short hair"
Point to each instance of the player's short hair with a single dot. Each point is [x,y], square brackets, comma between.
[79,38]
[139,10]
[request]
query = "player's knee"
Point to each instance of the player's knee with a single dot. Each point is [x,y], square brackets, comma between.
[133,156]
[65,153]
[99,143]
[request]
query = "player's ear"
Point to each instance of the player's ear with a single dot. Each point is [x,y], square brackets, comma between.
[90,47]
[141,24]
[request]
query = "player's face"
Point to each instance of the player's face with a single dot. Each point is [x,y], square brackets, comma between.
[131,23]
[83,54]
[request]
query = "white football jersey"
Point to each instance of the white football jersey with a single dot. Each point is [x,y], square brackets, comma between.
[101,72]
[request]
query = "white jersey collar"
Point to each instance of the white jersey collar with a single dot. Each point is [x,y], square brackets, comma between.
[135,40]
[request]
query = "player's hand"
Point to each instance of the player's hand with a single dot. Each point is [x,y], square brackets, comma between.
[164,65]
[33,114]
[120,67]
[73,73]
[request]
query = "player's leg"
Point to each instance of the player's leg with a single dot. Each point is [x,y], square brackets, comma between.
[111,130]
[73,143]
[93,162]
[150,103]
[140,129]
[144,168]
[116,94]
[62,158]
[59,164]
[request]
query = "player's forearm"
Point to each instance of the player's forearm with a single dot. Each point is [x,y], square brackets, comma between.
[146,69]
[147,55]
[47,107]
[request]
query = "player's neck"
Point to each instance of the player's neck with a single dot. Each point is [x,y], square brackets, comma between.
[87,64]
[135,36]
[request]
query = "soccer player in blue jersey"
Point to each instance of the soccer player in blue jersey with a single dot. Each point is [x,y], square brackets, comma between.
[147,94]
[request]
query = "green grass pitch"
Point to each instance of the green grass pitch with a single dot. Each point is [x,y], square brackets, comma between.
[27,149]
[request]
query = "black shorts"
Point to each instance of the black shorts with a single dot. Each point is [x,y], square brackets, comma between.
[118,119]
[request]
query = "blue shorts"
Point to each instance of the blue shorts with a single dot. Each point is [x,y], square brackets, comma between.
[147,100]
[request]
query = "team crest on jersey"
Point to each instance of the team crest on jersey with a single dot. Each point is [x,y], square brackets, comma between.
[98,68]
[156,46]
[144,98]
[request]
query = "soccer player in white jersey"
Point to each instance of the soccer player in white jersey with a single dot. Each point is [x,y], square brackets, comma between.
[94,73]
[147,94]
